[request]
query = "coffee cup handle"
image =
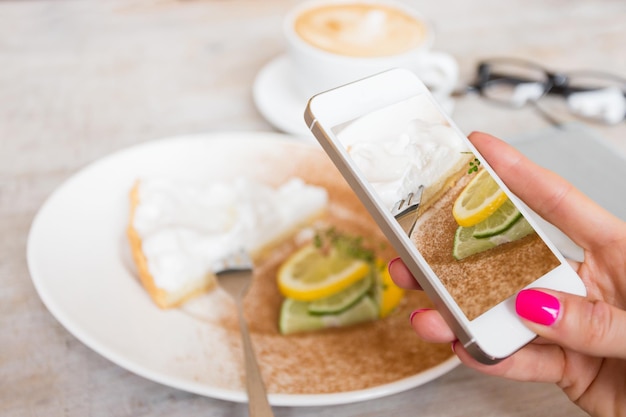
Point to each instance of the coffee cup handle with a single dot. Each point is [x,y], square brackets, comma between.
[439,71]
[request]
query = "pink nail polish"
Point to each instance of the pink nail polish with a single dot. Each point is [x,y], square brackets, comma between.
[415,312]
[537,306]
[391,262]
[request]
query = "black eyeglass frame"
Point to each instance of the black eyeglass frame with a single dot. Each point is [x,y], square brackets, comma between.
[557,83]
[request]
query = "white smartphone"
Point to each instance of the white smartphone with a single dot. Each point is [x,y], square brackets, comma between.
[465,237]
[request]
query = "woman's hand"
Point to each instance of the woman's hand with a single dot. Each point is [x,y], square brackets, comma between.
[582,345]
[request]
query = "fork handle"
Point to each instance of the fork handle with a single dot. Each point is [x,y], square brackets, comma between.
[258,405]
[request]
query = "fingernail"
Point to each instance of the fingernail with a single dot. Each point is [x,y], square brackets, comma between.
[415,312]
[453,346]
[391,262]
[537,306]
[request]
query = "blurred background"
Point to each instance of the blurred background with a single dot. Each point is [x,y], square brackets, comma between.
[82,79]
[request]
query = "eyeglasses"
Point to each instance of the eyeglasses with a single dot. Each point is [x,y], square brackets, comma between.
[592,95]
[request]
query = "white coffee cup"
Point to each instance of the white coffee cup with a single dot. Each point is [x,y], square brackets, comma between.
[333,42]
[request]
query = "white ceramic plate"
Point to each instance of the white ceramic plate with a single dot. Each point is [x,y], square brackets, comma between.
[78,263]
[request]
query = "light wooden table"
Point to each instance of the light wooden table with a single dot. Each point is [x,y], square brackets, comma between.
[79,80]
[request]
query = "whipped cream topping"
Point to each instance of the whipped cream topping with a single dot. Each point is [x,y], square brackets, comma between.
[400,148]
[186,227]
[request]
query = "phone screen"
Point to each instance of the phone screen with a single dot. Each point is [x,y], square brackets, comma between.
[470,233]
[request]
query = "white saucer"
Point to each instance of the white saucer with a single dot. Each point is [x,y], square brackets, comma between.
[277,98]
[279,102]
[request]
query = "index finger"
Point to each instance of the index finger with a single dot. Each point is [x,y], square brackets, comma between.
[401,275]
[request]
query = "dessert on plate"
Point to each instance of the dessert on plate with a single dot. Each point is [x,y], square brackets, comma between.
[179,229]
[344,358]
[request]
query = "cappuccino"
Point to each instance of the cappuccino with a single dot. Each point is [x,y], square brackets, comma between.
[360,29]
[334,42]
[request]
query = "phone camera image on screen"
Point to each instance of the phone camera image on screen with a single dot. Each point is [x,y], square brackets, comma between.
[468,230]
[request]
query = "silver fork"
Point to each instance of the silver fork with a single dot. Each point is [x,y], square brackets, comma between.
[234,273]
[405,210]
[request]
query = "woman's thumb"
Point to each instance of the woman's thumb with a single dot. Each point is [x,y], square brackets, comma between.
[588,326]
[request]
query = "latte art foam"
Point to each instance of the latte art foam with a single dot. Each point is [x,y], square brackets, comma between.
[360,29]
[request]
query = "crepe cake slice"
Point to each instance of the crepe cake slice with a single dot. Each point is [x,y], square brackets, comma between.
[178,229]
[406,145]
[429,155]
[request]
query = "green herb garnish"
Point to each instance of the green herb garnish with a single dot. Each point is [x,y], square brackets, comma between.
[351,246]
[473,166]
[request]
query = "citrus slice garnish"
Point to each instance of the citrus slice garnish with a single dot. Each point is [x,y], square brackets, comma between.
[311,273]
[499,221]
[389,295]
[295,317]
[342,300]
[480,198]
[465,244]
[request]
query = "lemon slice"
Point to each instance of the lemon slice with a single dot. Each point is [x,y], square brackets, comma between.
[499,221]
[389,294]
[478,200]
[310,273]
[295,316]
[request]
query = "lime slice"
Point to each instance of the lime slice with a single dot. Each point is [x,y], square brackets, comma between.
[295,317]
[310,273]
[465,244]
[499,221]
[342,300]
[521,228]
[480,198]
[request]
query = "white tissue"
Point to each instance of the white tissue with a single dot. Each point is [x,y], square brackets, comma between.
[608,104]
